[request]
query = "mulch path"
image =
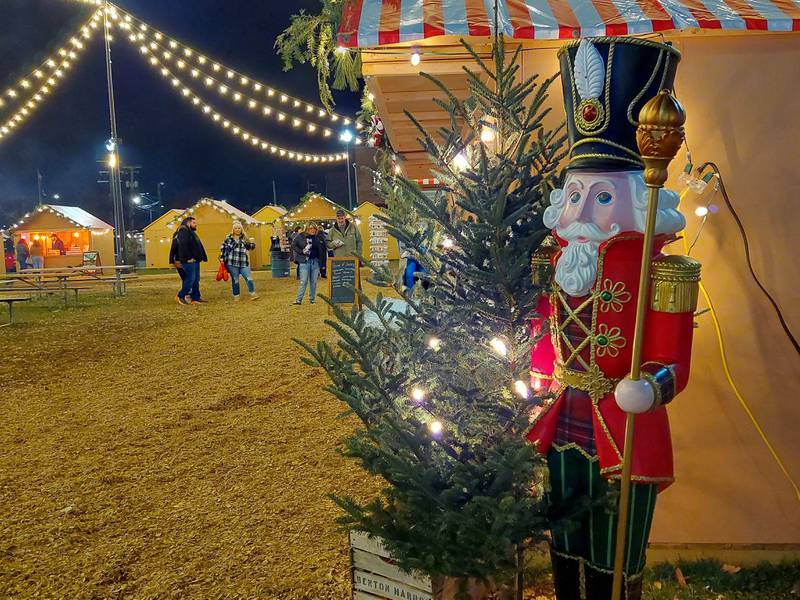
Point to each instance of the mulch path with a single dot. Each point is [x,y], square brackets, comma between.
[151,450]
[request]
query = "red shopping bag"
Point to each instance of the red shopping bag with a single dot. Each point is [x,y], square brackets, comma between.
[222,272]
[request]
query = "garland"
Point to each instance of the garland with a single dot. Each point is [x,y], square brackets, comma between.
[312,39]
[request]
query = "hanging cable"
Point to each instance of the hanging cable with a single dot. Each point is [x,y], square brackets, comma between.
[746,242]
[142,29]
[22,91]
[223,89]
[729,377]
[246,136]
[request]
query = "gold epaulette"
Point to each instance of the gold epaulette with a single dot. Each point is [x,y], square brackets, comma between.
[542,264]
[676,283]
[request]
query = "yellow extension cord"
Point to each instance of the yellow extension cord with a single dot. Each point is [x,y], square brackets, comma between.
[732,383]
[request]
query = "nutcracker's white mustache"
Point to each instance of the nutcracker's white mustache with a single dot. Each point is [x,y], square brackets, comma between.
[590,231]
[576,269]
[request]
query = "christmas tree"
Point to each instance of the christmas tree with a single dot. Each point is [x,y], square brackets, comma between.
[441,387]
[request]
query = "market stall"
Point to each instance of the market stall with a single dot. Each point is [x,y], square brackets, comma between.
[728,477]
[379,246]
[158,238]
[214,221]
[62,234]
[313,207]
[271,226]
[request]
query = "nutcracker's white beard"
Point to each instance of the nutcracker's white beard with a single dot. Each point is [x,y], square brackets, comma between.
[576,268]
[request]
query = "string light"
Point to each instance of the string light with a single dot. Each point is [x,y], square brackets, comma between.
[436,427]
[499,346]
[417,395]
[62,59]
[448,243]
[223,89]
[246,136]
[460,162]
[701,211]
[435,344]
[521,388]
[38,95]
[415,59]
[240,79]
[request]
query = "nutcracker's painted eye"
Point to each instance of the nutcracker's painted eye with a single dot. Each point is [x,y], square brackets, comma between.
[574,197]
[604,198]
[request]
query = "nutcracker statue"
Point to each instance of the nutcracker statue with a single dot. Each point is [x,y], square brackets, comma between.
[602,360]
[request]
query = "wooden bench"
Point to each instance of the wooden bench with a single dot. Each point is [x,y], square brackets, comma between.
[10,301]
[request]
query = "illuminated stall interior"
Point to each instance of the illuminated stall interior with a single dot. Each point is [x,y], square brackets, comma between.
[63,234]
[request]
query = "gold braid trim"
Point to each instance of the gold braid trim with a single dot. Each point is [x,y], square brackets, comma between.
[597,140]
[574,446]
[675,284]
[588,564]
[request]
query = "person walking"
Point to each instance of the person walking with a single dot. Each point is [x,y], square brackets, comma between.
[308,249]
[23,254]
[37,255]
[344,238]
[189,253]
[235,254]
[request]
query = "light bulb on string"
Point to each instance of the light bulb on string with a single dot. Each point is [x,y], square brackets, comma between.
[521,389]
[448,243]
[415,59]
[434,343]
[460,162]
[417,394]
[499,346]
[487,134]
[701,211]
[436,428]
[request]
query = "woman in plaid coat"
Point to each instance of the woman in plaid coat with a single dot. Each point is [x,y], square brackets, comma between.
[235,253]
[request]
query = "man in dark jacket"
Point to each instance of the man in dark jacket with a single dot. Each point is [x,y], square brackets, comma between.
[308,250]
[186,254]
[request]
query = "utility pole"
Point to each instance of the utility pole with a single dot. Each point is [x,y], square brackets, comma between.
[132,185]
[113,147]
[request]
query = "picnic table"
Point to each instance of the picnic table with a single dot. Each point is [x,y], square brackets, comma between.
[66,279]
[10,301]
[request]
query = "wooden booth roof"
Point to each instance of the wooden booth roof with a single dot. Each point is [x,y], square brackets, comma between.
[73,215]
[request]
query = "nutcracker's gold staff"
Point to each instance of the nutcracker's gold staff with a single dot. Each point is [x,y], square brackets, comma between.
[659,137]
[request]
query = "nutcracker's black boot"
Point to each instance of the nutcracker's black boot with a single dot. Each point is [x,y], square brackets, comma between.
[566,577]
[599,585]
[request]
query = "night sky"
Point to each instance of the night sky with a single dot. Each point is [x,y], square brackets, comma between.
[161,132]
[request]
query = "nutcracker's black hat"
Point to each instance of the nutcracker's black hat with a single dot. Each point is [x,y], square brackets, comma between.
[606,82]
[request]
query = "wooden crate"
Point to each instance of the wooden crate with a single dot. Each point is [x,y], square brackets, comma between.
[377,577]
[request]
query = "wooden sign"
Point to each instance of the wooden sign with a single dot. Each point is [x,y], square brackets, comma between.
[375,575]
[344,278]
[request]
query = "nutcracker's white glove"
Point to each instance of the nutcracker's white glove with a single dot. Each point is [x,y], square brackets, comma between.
[634,396]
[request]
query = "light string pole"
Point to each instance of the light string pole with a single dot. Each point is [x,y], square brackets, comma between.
[347,137]
[659,136]
[113,147]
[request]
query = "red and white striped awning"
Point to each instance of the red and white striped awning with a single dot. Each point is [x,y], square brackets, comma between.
[370,23]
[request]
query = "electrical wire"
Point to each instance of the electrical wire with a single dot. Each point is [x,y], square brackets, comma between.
[726,367]
[743,233]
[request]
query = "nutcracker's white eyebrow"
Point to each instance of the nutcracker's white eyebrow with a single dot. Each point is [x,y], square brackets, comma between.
[576,182]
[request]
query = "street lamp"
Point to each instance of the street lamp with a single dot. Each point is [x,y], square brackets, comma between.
[347,136]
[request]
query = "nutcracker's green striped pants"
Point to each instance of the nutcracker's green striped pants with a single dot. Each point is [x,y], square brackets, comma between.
[589,531]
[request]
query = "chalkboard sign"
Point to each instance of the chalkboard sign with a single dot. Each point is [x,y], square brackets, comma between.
[344,277]
[91,260]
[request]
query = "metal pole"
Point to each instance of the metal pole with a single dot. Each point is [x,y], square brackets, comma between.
[355,176]
[114,162]
[274,193]
[349,190]
[659,136]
